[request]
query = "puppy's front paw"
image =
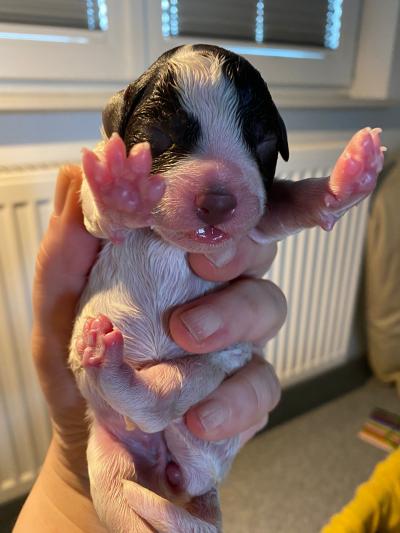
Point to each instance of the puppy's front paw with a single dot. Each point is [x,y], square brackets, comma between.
[124,191]
[355,173]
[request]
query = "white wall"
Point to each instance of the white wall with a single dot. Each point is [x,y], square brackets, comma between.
[46,127]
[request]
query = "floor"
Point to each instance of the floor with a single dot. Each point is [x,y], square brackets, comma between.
[292,478]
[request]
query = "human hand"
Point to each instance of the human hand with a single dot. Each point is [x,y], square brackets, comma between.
[66,255]
[250,309]
[64,261]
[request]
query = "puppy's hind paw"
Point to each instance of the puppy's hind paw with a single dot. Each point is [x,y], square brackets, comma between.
[100,344]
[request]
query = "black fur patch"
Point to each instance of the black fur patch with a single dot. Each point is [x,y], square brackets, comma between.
[159,118]
[263,128]
[149,110]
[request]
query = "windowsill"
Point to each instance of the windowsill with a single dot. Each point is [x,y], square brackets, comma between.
[56,97]
[91,97]
[320,98]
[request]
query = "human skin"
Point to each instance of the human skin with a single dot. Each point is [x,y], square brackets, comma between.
[60,499]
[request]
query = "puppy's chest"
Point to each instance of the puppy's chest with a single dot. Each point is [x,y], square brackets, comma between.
[137,285]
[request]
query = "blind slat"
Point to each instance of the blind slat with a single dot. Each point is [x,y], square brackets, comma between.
[279,21]
[59,13]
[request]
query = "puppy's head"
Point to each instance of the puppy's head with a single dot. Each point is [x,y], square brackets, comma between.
[215,135]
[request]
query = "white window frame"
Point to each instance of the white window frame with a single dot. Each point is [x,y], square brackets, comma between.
[135,39]
[48,54]
[308,66]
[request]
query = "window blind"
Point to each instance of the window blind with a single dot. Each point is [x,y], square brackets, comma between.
[311,23]
[82,14]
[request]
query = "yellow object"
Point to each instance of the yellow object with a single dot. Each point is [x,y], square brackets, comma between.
[375,507]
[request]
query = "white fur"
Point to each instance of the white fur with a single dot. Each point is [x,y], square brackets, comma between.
[136,284]
[138,396]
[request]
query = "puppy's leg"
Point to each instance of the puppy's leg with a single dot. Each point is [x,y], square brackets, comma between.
[124,506]
[200,515]
[110,464]
[119,193]
[293,206]
[152,396]
[198,464]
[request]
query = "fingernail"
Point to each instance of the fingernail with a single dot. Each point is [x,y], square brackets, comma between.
[259,236]
[211,415]
[222,257]
[201,322]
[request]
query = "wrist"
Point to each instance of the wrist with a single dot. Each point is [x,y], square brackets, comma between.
[59,500]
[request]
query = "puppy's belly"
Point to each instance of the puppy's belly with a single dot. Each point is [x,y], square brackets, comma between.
[136,285]
[149,453]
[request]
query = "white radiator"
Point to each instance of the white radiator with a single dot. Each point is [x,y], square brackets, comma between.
[318,272]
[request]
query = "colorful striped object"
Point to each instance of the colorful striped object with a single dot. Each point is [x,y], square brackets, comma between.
[382,430]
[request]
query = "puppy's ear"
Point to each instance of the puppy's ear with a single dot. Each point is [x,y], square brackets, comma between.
[271,143]
[112,113]
[283,146]
[121,106]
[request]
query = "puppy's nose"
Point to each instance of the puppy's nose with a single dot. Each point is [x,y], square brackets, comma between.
[214,208]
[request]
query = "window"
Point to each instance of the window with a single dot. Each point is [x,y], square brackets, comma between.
[75,53]
[70,40]
[83,14]
[290,42]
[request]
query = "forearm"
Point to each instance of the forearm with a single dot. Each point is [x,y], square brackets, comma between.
[59,501]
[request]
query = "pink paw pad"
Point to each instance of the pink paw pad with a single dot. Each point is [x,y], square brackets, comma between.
[356,172]
[98,340]
[121,184]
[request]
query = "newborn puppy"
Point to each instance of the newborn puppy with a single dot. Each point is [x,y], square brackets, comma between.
[202,136]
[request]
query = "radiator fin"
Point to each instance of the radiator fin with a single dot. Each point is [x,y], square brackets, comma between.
[318,272]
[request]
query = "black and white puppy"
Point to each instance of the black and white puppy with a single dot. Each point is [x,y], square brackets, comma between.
[214,135]
[214,131]
[189,156]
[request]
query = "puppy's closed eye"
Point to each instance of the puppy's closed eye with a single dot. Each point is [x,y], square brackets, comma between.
[159,140]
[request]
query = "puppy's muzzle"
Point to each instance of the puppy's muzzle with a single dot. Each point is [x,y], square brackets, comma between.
[215,207]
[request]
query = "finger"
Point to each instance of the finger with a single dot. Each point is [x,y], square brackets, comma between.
[246,258]
[64,259]
[249,433]
[246,310]
[62,186]
[67,251]
[239,405]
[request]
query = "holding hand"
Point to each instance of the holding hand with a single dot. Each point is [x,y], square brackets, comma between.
[64,261]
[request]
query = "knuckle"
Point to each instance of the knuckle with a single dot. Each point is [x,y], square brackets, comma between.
[261,260]
[270,253]
[263,304]
[278,300]
[274,387]
[269,386]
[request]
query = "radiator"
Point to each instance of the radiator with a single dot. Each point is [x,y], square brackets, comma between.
[318,272]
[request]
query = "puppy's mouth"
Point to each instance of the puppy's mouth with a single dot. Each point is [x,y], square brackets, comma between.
[208,235]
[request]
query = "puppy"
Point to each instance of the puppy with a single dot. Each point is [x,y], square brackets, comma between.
[202,136]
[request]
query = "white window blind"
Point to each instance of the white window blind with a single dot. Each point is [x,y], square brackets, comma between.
[292,43]
[69,41]
[83,14]
[311,23]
